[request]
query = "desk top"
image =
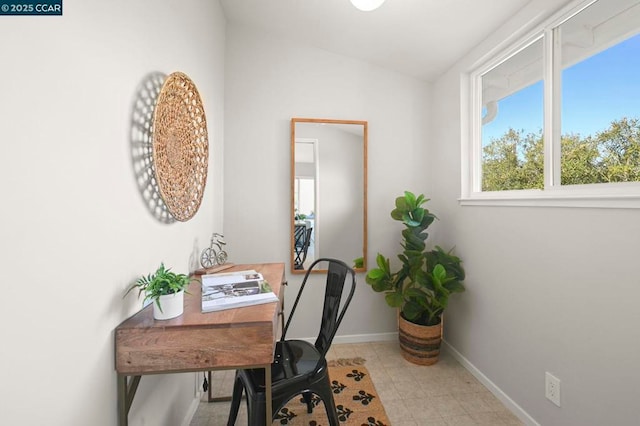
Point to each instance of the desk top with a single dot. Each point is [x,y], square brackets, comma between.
[197,341]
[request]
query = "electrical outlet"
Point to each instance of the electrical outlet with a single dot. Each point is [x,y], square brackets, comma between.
[552,388]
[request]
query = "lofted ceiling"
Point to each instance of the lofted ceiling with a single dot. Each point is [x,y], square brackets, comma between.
[420,38]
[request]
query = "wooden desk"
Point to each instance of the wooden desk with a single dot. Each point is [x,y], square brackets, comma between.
[196,341]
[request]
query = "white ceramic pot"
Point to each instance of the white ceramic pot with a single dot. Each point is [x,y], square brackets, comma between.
[172,306]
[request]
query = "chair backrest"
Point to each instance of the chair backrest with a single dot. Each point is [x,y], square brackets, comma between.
[332,312]
[305,244]
[302,238]
[299,234]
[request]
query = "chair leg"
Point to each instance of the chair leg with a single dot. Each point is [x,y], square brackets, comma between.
[325,393]
[236,398]
[256,411]
[306,396]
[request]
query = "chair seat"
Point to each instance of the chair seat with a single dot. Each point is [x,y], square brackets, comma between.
[295,361]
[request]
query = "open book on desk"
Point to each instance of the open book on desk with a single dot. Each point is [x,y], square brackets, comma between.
[235,290]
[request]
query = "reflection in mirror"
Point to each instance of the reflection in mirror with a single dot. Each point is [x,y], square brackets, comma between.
[328,191]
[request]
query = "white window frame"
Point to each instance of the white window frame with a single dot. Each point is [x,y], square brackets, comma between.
[602,195]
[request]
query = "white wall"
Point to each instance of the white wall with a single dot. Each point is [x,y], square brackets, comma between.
[267,82]
[75,232]
[548,289]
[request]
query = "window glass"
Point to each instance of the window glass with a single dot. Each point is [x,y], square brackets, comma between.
[600,96]
[512,122]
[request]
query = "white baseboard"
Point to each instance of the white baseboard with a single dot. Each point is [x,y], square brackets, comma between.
[193,407]
[495,390]
[364,338]
[358,338]
[197,396]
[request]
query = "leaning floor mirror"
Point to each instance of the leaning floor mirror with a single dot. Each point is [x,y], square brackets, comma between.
[328,192]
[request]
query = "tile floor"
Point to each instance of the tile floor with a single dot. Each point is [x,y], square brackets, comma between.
[444,394]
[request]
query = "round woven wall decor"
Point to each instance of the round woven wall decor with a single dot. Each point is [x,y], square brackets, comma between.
[180,146]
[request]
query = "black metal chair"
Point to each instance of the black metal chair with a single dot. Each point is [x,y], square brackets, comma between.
[302,239]
[299,367]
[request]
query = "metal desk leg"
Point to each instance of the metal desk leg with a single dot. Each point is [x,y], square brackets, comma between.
[210,397]
[126,392]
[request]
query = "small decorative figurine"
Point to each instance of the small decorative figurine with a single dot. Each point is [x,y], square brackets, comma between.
[214,254]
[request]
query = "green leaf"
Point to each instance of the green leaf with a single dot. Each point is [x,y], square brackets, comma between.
[455,286]
[401,204]
[422,278]
[414,241]
[412,310]
[427,220]
[383,263]
[376,274]
[394,299]
[418,214]
[158,303]
[413,293]
[421,200]
[406,218]
[380,286]
[439,273]
[414,254]
[396,214]
[410,199]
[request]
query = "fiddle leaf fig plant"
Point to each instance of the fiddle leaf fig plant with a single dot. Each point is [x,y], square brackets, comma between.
[426,278]
[162,282]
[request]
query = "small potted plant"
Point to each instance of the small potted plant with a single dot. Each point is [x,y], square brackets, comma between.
[420,289]
[165,289]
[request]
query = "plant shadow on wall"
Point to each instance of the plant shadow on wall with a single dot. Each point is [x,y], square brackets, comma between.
[420,289]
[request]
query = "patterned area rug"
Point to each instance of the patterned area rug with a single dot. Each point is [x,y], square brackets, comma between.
[355,396]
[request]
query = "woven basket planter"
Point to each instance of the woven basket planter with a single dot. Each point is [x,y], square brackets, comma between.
[419,344]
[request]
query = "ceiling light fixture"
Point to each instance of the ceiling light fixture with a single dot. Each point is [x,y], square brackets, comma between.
[367,5]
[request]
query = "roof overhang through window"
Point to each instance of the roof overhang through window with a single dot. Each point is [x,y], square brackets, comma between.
[583,34]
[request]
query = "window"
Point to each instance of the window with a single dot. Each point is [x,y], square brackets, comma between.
[557,116]
[513,101]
